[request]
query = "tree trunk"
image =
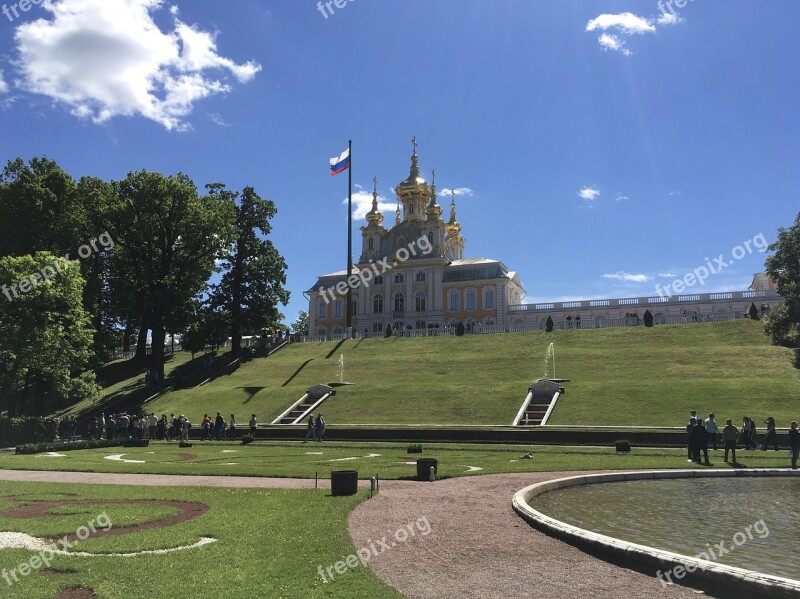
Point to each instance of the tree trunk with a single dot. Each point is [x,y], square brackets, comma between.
[159,335]
[126,336]
[236,301]
[141,342]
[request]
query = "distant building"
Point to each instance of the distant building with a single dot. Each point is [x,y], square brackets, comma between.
[415,277]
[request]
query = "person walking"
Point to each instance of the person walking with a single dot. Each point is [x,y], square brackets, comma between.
[319,425]
[712,429]
[219,426]
[311,430]
[253,425]
[689,427]
[771,434]
[794,443]
[232,428]
[730,434]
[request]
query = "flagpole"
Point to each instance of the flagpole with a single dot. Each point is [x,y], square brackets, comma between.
[348,306]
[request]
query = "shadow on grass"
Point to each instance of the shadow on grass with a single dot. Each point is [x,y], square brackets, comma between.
[251,391]
[296,372]
[335,349]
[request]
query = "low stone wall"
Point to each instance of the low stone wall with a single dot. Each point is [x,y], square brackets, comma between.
[715,578]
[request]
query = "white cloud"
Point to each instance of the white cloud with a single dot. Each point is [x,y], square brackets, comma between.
[3,84]
[609,41]
[622,198]
[459,191]
[589,193]
[625,22]
[667,18]
[627,277]
[107,58]
[362,203]
[667,275]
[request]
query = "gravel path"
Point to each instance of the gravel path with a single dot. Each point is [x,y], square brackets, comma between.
[478,546]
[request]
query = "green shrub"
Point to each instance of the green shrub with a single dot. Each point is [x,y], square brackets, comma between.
[623,446]
[15,431]
[184,444]
[414,449]
[548,324]
[246,439]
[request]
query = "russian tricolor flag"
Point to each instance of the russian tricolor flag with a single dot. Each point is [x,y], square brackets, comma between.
[340,163]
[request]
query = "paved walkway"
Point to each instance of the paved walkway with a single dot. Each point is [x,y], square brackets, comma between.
[476,545]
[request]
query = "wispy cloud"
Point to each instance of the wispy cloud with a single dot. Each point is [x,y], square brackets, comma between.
[622,198]
[589,193]
[609,41]
[667,18]
[627,277]
[459,191]
[3,84]
[217,119]
[667,275]
[109,58]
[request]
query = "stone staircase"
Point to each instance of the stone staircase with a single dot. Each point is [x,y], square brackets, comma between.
[539,403]
[308,404]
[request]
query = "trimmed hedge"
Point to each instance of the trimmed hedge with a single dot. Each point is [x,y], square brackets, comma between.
[14,431]
[31,448]
[247,439]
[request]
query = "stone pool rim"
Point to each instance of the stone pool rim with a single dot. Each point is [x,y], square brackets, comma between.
[713,575]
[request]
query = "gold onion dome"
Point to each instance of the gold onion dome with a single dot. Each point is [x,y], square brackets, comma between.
[453,225]
[414,183]
[375,216]
[434,211]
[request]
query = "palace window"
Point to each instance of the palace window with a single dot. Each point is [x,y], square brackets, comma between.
[377,304]
[354,307]
[454,303]
[421,276]
[399,303]
[377,327]
[371,244]
[420,302]
[379,280]
[322,310]
[430,238]
[469,300]
[398,278]
[488,299]
[337,309]
[420,324]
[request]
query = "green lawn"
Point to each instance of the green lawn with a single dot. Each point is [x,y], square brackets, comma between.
[387,460]
[268,543]
[625,376]
[622,376]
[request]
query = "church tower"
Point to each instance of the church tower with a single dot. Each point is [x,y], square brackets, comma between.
[414,191]
[373,232]
[454,242]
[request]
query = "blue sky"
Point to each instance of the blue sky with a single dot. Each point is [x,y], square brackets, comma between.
[600,148]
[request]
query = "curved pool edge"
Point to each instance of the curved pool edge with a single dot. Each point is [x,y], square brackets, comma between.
[707,575]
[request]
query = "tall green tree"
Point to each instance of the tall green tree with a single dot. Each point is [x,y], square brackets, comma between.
[300,326]
[783,322]
[254,272]
[167,240]
[45,334]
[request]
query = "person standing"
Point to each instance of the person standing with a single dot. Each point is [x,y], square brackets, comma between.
[101,426]
[746,428]
[219,426]
[794,443]
[152,423]
[689,427]
[253,425]
[730,435]
[232,428]
[712,429]
[699,439]
[771,434]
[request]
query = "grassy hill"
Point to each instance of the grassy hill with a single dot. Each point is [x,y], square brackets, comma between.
[622,376]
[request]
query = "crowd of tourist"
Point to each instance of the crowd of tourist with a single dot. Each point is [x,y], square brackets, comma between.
[701,432]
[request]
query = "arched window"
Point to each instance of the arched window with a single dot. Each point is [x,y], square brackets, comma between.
[430,238]
[371,243]
[454,303]
[419,302]
[322,310]
[488,299]
[377,304]
[337,309]
[399,303]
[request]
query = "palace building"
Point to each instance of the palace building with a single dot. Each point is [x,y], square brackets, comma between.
[415,277]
